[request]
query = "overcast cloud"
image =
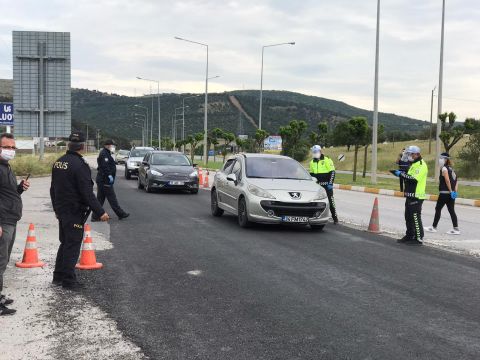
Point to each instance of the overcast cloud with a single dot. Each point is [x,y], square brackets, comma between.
[113,41]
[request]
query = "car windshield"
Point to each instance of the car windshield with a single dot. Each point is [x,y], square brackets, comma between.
[123,152]
[275,168]
[139,152]
[170,159]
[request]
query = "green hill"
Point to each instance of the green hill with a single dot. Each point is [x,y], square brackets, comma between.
[235,111]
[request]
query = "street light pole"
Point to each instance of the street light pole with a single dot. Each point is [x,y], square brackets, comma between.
[146,121]
[375,101]
[440,90]
[431,122]
[144,125]
[261,81]
[159,111]
[205,121]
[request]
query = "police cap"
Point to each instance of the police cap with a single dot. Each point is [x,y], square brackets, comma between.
[109,142]
[77,137]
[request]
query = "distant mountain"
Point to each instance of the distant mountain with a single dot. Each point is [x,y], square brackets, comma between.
[235,111]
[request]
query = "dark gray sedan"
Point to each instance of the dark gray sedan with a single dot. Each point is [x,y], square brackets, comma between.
[167,170]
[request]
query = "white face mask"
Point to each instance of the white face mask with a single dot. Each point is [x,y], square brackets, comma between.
[441,162]
[410,158]
[316,155]
[112,149]
[7,154]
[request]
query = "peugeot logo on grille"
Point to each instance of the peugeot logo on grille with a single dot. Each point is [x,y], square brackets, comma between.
[295,195]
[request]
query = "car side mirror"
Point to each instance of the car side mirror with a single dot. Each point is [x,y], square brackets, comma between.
[232,177]
[314,178]
[145,163]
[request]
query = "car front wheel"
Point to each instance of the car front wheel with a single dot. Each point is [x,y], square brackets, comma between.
[128,176]
[216,211]
[243,214]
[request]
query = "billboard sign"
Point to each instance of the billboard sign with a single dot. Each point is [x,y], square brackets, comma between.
[41,83]
[273,142]
[6,114]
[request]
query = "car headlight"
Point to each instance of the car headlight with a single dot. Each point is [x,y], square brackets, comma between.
[132,163]
[194,174]
[155,172]
[255,190]
[320,195]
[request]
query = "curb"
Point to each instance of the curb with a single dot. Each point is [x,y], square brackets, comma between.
[461,201]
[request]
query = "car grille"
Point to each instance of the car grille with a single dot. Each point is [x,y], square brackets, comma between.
[177,177]
[293,209]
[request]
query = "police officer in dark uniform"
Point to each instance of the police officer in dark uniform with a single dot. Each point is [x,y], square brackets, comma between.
[72,196]
[107,170]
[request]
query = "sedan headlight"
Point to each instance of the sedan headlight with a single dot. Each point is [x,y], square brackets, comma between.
[321,194]
[255,190]
[155,172]
[194,174]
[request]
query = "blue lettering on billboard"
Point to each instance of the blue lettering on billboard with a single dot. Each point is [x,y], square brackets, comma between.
[6,114]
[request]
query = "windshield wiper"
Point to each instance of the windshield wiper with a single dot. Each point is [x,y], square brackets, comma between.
[259,177]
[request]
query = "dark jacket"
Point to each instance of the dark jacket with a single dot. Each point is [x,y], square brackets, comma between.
[10,200]
[106,166]
[71,190]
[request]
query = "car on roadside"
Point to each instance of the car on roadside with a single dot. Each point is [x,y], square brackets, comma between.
[169,170]
[121,157]
[269,189]
[134,160]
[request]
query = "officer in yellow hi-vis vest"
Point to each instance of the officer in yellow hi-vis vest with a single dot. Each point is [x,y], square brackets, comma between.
[322,168]
[414,192]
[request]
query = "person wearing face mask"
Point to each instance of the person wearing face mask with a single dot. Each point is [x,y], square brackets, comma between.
[105,179]
[403,165]
[10,211]
[448,187]
[322,168]
[414,193]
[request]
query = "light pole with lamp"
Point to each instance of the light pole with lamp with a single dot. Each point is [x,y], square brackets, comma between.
[261,80]
[205,121]
[146,121]
[375,101]
[159,111]
[440,92]
[145,132]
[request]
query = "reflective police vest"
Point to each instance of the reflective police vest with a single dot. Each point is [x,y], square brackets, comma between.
[322,170]
[416,180]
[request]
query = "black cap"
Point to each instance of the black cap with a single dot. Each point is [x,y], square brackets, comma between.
[445,155]
[77,137]
[108,142]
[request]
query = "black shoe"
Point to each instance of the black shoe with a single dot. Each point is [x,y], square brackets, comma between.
[414,242]
[124,216]
[5,301]
[57,282]
[335,222]
[403,240]
[6,311]
[73,286]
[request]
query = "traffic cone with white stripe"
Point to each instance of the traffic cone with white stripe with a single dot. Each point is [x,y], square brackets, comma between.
[206,185]
[30,254]
[374,225]
[88,260]
[200,177]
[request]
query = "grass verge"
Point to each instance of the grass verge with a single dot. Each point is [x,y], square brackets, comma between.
[464,191]
[30,164]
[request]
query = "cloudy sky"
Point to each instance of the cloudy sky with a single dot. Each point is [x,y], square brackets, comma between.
[113,41]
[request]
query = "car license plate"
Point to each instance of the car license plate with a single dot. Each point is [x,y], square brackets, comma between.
[176,183]
[295,219]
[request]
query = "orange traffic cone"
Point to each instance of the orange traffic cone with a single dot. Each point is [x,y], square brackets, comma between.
[30,254]
[200,177]
[206,185]
[374,225]
[88,261]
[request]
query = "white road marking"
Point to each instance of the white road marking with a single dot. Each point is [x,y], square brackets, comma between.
[195,272]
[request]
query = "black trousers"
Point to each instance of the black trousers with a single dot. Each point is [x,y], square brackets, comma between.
[402,183]
[105,191]
[331,201]
[70,236]
[413,219]
[445,199]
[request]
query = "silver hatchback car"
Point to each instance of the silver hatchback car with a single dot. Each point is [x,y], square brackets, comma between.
[268,189]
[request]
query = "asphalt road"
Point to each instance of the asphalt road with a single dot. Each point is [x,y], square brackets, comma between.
[276,292]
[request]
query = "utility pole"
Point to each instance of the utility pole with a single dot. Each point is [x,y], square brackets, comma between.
[375,101]
[440,92]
